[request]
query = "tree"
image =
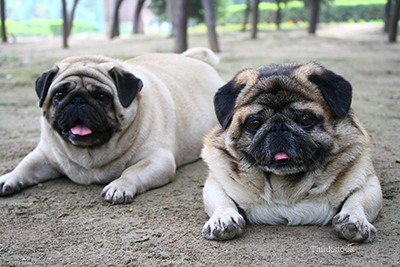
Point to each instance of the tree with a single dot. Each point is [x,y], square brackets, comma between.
[210,21]
[115,23]
[246,15]
[3,20]
[180,25]
[386,16]
[255,19]
[65,24]
[71,18]
[278,14]
[314,13]
[394,22]
[136,17]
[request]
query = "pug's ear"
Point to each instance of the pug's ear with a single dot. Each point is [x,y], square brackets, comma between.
[225,98]
[43,83]
[128,86]
[336,91]
[224,102]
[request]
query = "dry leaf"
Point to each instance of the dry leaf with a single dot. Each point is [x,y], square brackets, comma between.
[215,244]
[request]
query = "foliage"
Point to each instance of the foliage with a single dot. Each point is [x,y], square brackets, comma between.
[46,27]
[196,13]
[331,10]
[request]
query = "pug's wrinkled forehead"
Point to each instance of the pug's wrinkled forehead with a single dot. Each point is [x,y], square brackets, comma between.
[283,84]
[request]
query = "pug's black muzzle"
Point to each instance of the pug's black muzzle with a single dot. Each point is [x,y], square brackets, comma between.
[83,112]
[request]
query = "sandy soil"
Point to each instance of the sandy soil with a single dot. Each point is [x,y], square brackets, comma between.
[61,223]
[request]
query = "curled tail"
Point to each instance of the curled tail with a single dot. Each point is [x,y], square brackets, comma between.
[203,54]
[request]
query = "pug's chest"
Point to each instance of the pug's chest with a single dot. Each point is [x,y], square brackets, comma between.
[283,207]
[90,172]
[308,211]
[276,201]
[302,213]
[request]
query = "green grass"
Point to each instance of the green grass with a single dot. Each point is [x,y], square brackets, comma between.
[294,4]
[46,27]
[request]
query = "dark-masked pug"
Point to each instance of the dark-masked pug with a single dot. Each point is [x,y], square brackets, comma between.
[289,150]
[129,124]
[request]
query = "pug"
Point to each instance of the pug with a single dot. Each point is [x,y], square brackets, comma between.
[129,124]
[289,150]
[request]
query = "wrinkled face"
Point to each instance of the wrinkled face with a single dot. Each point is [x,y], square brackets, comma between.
[281,132]
[82,111]
[281,118]
[80,97]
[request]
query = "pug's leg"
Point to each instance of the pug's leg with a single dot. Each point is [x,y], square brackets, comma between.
[360,208]
[225,221]
[155,170]
[33,169]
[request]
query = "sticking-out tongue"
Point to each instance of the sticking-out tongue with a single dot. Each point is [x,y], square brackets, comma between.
[81,130]
[281,156]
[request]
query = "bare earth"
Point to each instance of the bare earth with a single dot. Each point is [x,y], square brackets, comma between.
[61,223]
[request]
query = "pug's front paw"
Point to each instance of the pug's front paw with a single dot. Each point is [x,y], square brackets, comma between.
[225,224]
[118,193]
[354,228]
[10,184]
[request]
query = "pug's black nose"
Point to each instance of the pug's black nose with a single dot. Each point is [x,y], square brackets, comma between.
[279,127]
[78,101]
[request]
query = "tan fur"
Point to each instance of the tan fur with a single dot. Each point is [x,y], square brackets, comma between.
[159,131]
[344,191]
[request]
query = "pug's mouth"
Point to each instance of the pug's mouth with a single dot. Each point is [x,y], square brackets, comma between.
[281,163]
[79,129]
[83,136]
[281,158]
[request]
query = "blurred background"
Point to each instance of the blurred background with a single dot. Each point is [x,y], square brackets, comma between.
[30,20]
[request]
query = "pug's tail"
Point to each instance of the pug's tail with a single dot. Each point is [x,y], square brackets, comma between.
[203,54]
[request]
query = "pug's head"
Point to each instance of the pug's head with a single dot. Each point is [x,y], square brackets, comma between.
[82,98]
[284,118]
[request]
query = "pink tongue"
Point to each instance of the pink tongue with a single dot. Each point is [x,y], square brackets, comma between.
[281,156]
[81,130]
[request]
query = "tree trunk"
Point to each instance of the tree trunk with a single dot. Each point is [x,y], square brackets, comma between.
[394,22]
[170,6]
[180,25]
[314,13]
[386,15]
[137,27]
[278,15]
[65,24]
[115,23]
[255,19]
[210,21]
[246,15]
[3,20]
[71,18]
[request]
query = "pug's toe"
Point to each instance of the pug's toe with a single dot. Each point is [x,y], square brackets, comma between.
[224,225]
[116,196]
[354,228]
[10,185]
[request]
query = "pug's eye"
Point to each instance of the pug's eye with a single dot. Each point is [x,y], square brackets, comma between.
[103,98]
[59,96]
[254,124]
[306,120]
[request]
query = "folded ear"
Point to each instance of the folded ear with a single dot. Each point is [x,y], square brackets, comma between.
[336,91]
[225,98]
[128,86]
[224,102]
[43,83]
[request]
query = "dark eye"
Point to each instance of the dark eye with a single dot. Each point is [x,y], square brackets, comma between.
[59,96]
[103,98]
[254,124]
[306,120]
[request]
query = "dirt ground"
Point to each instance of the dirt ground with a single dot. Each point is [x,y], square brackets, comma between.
[61,223]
